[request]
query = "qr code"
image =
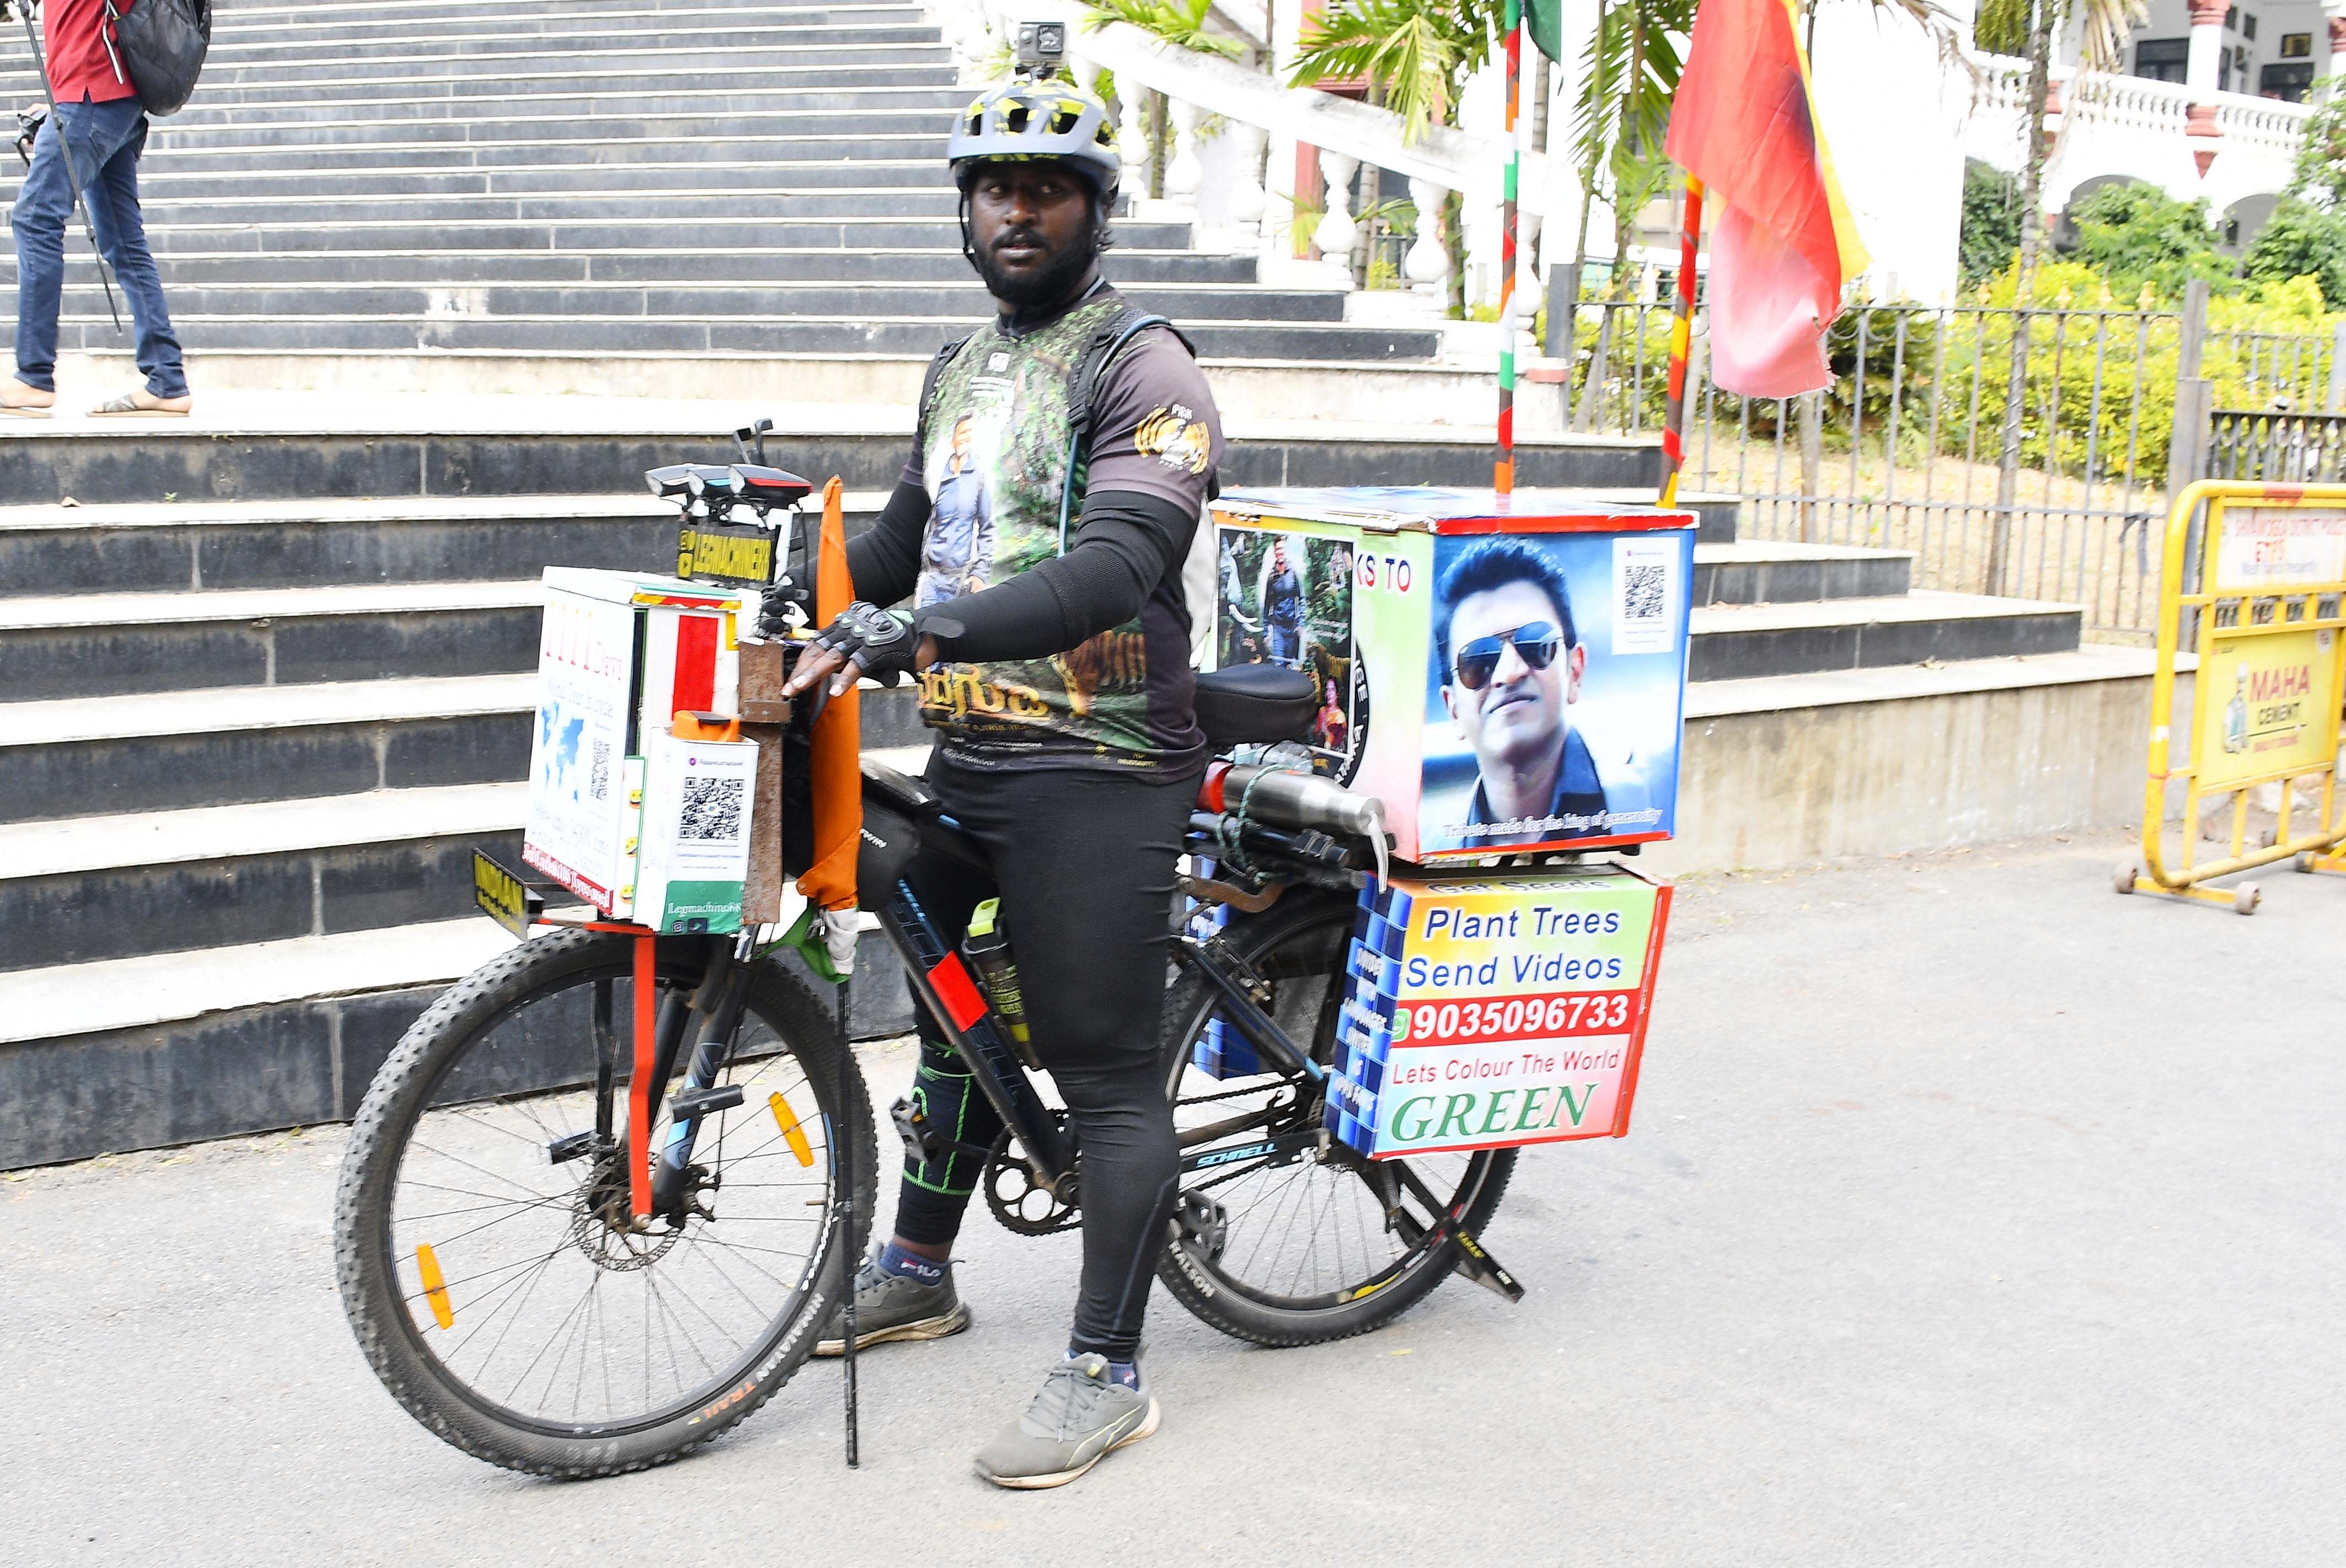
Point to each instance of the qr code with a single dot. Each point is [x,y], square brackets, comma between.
[712,810]
[1645,590]
[598,772]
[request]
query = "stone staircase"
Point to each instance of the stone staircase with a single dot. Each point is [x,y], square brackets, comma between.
[268,682]
[526,178]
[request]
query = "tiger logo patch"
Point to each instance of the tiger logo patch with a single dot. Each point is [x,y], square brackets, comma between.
[1176,438]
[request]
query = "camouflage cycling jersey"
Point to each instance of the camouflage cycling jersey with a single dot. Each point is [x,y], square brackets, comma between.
[995,467]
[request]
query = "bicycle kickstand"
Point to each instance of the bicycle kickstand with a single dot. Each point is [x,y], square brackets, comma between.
[849,1265]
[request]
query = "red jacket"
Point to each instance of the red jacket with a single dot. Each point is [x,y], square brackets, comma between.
[83,64]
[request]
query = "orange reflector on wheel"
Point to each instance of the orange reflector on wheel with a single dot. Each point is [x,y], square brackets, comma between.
[435,1287]
[788,1120]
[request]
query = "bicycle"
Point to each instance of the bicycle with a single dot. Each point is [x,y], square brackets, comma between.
[488,1217]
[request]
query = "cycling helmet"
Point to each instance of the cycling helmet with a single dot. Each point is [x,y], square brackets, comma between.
[1036,117]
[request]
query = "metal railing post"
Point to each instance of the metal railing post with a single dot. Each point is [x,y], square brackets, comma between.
[2187,454]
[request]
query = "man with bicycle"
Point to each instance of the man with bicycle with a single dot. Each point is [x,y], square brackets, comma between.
[1069,747]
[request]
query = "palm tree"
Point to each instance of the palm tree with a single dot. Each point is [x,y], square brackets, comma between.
[1416,54]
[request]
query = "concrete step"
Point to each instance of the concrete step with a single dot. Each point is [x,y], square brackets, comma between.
[394,103]
[810,307]
[647,75]
[173,750]
[848,46]
[682,208]
[86,645]
[397,103]
[426,14]
[141,1052]
[239,59]
[1129,269]
[1749,641]
[110,552]
[551,21]
[161,882]
[264,447]
[1761,572]
[114,755]
[1329,343]
[811,311]
[815,127]
[597,150]
[392,180]
[840,237]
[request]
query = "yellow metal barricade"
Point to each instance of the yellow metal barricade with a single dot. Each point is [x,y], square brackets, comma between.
[2267,610]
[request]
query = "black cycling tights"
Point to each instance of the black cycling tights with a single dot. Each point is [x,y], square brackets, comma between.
[1084,864]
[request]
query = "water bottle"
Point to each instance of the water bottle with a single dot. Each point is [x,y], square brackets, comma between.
[986,950]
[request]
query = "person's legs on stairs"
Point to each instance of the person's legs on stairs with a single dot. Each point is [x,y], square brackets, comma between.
[113,196]
[44,204]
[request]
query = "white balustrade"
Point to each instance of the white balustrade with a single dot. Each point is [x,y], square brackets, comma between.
[1248,202]
[1428,261]
[1336,232]
[1185,172]
[1132,136]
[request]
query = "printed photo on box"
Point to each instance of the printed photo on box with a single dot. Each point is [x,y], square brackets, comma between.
[1553,698]
[1286,598]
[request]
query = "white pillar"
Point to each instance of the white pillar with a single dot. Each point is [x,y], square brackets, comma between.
[1337,231]
[1428,261]
[1249,201]
[1185,172]
[2199,74]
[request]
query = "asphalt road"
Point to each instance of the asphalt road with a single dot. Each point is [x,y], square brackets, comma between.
[1972,1215]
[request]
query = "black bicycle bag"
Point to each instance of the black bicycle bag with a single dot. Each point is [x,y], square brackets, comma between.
[160,46]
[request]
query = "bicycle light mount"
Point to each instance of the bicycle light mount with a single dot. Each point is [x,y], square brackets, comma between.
[740,518]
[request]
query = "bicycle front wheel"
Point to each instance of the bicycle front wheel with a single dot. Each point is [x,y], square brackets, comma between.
[487,1259]
[1301,1244]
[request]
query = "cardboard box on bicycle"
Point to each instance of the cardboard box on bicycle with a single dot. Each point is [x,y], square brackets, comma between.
[1496,1009]
[1563,732]
[619,654]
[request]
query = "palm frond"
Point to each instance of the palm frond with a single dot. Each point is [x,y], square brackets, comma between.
[1181,23]
[1401,44]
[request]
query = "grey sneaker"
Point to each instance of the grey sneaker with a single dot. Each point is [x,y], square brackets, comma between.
[1081,1416]
[898,1307]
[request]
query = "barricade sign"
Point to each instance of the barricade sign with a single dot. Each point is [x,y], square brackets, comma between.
[2264,610]
[1494,1012]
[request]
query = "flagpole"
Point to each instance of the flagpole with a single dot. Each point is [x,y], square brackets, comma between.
[1503,478]
[1682,337]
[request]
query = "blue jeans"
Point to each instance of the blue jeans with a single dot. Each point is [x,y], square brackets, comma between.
[1286,645]
[106,140]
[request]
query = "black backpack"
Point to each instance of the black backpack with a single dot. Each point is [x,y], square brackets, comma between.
[162,44]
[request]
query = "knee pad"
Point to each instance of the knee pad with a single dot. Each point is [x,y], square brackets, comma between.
[947,1095]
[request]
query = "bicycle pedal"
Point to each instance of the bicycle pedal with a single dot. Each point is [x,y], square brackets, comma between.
[691,1104]
[1485,1270]
[922,1142]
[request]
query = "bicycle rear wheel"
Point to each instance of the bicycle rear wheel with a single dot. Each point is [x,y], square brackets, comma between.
[1297,1247]
[482,1244]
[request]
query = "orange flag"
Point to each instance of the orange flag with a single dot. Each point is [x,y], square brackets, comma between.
[830,882]
[1744,123]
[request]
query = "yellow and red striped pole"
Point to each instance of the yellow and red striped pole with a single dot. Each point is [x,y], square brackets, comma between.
[1681,336]
[1503,478]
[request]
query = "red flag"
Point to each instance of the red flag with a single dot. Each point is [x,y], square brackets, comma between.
[1745,124]
[830,882]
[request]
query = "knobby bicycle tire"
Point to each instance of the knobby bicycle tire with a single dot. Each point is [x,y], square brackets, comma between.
[1310,929]
[403,1091]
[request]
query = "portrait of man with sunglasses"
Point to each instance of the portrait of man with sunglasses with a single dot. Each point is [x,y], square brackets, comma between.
[1513,668]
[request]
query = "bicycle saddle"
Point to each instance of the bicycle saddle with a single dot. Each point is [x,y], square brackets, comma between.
[1255,703]
[770,486]
[675,478]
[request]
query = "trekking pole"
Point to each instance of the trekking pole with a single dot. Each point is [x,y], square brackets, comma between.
[57,125]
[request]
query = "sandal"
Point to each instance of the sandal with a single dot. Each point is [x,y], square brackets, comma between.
[25,410]
[128,406]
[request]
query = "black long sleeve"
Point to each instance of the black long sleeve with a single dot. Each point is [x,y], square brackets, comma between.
[885,560]
[1123,546]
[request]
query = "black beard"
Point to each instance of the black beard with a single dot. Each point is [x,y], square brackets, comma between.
[1038,290]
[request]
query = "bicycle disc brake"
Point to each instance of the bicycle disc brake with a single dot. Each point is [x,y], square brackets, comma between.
[1020,1202]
